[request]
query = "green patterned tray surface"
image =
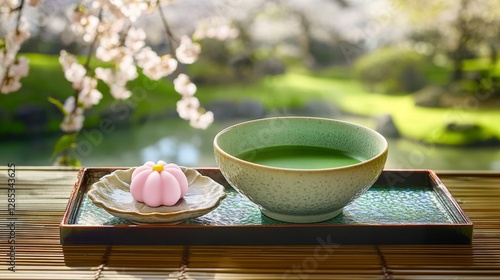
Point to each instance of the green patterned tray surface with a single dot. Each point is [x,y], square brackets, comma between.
[379,205]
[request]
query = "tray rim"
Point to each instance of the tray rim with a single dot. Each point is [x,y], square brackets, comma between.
[461,222]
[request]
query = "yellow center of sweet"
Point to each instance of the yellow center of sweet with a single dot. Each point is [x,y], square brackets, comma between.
[158,167]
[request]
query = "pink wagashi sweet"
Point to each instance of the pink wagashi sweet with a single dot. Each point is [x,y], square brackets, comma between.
[158,184]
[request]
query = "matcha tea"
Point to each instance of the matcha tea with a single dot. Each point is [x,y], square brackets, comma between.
[299,157]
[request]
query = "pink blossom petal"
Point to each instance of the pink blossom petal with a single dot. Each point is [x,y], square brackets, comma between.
[171,191]
[180,178]
[137,185]
[139,170]
[162,162]
[151,188]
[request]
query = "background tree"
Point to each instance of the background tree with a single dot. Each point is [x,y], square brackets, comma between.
[461,29]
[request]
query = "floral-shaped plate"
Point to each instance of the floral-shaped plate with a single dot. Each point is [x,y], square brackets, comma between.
[112,193]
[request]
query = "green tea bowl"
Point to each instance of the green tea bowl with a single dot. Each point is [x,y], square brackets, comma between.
[302,180]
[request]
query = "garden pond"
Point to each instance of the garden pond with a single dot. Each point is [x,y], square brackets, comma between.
[175,141]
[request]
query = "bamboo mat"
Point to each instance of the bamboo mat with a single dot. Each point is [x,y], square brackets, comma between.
[42,195]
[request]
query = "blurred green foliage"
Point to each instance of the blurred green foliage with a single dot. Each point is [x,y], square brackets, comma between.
[392,70]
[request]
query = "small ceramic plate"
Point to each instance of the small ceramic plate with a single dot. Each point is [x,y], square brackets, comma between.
[112,193]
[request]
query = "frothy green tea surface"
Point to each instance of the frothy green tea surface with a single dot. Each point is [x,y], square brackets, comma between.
[299,157]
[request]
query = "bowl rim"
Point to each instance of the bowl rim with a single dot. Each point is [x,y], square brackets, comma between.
[376,133]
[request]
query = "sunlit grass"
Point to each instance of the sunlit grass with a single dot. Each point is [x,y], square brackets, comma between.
[425,124]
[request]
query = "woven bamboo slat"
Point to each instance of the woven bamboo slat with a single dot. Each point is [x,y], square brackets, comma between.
[42,195]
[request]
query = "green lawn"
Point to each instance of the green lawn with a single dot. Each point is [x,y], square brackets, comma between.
[291,90]
[426,124]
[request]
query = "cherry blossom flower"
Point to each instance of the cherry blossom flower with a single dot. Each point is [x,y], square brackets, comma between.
[126,70]
[10,77]
[66,59]
[85,24]
[216,29]
[73,71]
[118,77]
[120,91]
[75,74]
[73,117]
[20,68]
[14,38]
[187,107]
[89,95]
[188,51]
[135,39]
[108,48]
[110,45]
[8,5]
[130,9]
[104,74]
[165,67]
[202,121]
[9,84]
[145,57]
[154,66]
[115,80]
[168,64]
[184,86]
[149,60]
[12,68]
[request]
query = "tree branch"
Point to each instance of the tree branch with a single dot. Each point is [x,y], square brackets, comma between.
[86,65]
[19,10]
[170,35]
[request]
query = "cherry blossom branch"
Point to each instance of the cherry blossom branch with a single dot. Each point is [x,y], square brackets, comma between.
[14,68]
[108,28]
[93,44]
[19,15]
[4,78]
[86,65]
[170,35]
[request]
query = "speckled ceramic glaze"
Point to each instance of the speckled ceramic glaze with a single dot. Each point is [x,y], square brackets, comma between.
[300,195]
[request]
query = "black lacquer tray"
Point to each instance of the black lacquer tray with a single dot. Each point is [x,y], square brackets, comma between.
[402,207]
